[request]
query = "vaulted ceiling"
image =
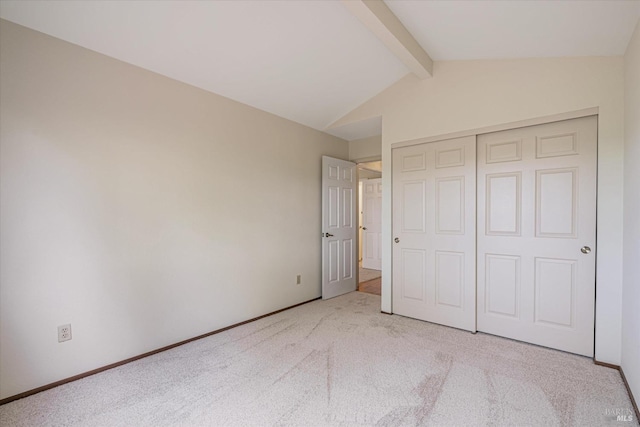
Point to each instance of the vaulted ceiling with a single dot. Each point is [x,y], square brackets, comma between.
[314,61]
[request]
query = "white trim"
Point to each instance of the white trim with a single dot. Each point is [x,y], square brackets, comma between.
[366,159]
[505,126]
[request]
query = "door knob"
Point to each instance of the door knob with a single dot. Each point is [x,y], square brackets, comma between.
[364,228]
[396,240]
[585,249]
[329,235]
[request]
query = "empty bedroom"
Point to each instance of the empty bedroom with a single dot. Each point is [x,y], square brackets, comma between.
[323,212]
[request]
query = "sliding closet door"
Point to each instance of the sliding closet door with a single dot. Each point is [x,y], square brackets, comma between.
[537,234]
[434,232]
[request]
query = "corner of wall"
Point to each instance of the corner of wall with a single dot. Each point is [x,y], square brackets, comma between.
[630,362]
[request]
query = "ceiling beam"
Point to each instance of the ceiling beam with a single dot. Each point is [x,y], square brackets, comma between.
[380,20]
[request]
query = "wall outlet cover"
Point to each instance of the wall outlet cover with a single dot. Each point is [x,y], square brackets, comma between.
[64,333]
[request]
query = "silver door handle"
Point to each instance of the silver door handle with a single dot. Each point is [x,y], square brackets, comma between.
[585,249]
[396,240]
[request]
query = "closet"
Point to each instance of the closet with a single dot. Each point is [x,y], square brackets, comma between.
[496,233]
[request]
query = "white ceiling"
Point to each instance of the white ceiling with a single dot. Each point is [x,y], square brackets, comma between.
[455,30]
[313,61]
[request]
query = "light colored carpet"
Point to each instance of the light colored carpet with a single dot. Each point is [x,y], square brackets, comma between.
[337,362]
[366,274]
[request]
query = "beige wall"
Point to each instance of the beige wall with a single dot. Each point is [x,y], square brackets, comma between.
[366,148]
[631,287]
[141,210]
[465,95]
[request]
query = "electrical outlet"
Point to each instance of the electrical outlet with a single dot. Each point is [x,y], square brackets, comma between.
[298,279]
[64,333]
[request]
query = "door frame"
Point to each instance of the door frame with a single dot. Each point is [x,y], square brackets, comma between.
[387,227]
[358,162]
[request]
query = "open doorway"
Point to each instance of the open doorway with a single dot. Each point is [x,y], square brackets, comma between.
[370,226]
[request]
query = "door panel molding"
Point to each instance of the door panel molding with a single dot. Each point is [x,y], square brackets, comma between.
[535,189]
[339,257]
[434,224]
[372,224]
[553,282]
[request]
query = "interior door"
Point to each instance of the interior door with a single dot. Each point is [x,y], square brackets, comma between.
[372,224]
[339,260]
[537,234]
[434,232]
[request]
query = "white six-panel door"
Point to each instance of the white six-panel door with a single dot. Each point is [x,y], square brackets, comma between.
[372,224]
[536,217]
[434,215]
[339,251]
